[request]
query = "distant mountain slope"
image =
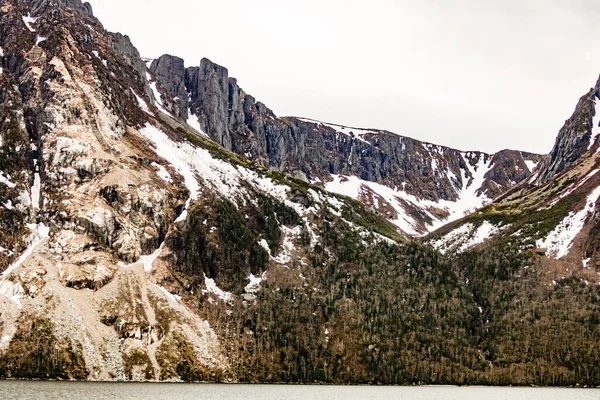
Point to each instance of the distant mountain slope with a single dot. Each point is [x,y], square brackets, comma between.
[555,210]
[418,186]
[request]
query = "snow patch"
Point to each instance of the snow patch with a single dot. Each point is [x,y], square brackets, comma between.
[162,173]
[194,123]
[149,260]
[142,104]
[173,297]
[211,287]
[157,97]
[28,20]
[357,133]
[531,165]
[465,237]
[595,124]
[253,287]
[39,232]
[263,243]
[13,291]
[6,180]
[36,191]
[559,241]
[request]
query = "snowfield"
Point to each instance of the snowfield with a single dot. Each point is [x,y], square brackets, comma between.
[468,199]
[559,241]
[465,237]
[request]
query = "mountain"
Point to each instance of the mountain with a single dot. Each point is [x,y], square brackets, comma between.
[418,186]
[554,210]
[157,223]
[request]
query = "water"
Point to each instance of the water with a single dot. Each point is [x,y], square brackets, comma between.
[130,391]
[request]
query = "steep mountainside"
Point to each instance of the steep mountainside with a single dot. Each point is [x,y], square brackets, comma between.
[555,209]
[416,185]
[134,246]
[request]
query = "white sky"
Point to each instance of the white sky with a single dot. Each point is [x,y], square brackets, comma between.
[470,74]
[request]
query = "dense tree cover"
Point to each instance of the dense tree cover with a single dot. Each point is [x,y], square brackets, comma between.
[365,310]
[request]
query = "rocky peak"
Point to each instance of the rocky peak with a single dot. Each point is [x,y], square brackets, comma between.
[38,7]
[574,138]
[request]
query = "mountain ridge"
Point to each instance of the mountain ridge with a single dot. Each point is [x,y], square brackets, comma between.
[317,151]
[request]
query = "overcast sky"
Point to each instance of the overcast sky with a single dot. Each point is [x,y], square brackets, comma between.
[470,74]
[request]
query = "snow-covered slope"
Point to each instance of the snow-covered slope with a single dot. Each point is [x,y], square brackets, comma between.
[409,212]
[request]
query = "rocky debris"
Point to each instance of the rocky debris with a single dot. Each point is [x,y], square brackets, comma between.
[509,167]
[71,160]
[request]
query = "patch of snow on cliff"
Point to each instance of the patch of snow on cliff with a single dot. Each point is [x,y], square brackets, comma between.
[211,287]
[28,20]
[531,164]
[287,246]
[149,260]
[254,286]
[468,199]
[465,237]
[36,190]
[12,291]
[194,123]
[263,243]
[453,238]
[6,180]
[162,173]
[559,241]
[157,97]
[173,297]
[345,185]
[142,104]
[357,133]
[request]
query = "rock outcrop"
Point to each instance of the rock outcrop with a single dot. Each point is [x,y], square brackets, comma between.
[574,138]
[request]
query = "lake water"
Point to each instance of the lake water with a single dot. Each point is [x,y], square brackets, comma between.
[126,391]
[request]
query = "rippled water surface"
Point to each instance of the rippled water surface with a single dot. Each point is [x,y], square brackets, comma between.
[126,391]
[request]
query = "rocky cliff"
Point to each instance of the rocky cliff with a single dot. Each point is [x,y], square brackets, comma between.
[554,210]
[419,186]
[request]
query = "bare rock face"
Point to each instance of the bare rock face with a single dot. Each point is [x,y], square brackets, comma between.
[573,140]
[170,72]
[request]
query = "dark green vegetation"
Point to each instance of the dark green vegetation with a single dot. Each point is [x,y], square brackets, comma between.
[363,310]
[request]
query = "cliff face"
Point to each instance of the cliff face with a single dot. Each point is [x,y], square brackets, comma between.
[576,137]
[428,184]
[81,203]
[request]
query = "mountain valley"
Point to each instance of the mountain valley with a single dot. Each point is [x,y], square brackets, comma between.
[157,223]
